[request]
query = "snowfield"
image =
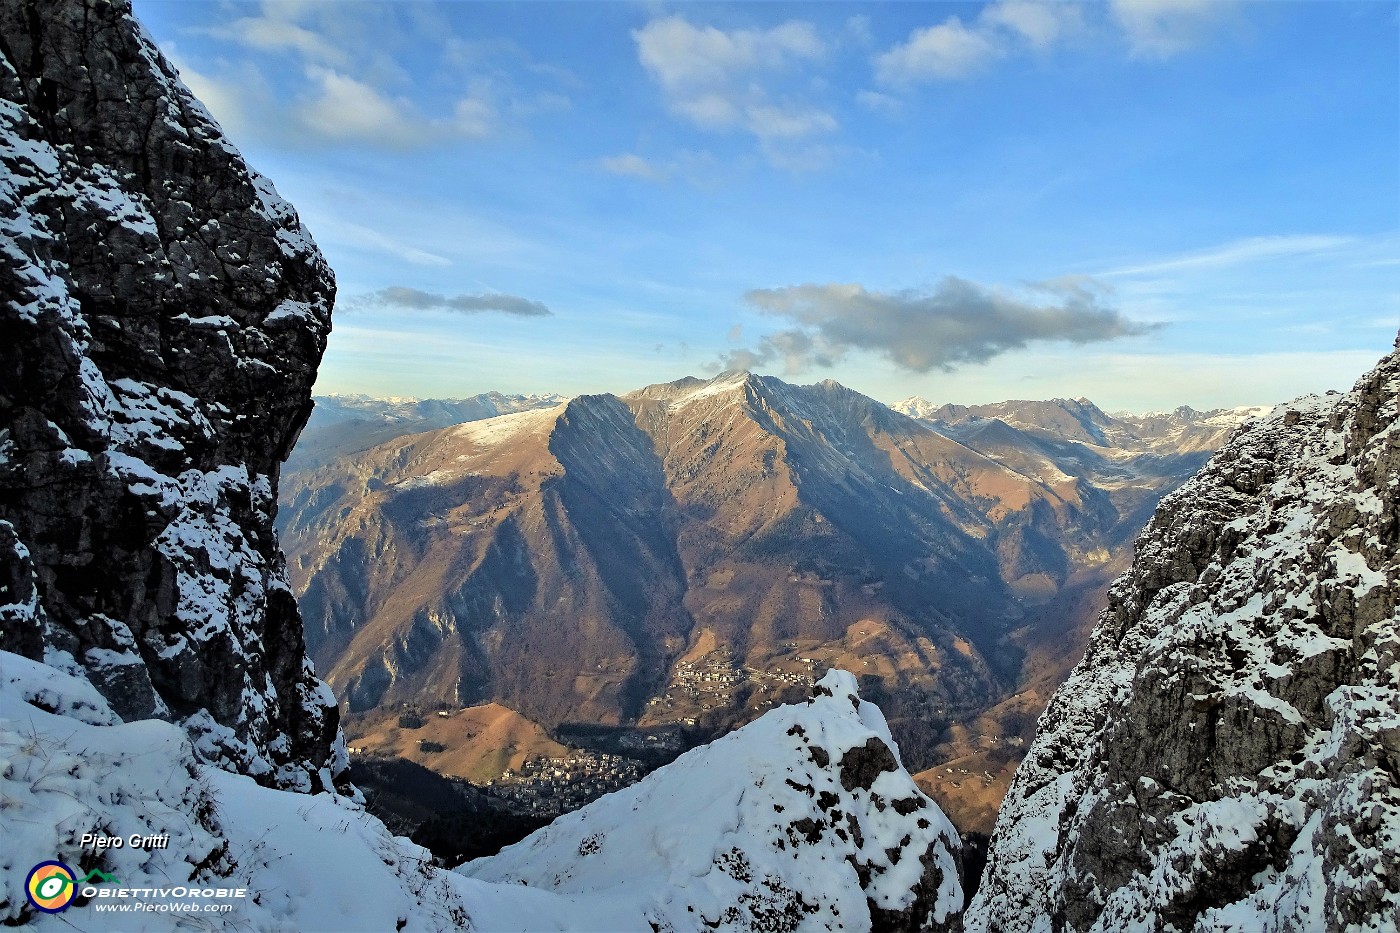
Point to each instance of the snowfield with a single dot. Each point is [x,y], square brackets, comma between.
[802,821]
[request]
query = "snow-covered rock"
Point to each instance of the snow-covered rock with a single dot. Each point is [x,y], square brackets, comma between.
[162,314]
[70,766]
[802,821]
[1227,755]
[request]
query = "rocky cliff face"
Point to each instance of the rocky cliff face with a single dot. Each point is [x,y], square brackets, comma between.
[1227,755]
[162,318]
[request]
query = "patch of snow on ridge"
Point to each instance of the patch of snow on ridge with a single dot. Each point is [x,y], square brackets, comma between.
[805,814]
[497,430]
[777,827]
[433,478]
[720,385]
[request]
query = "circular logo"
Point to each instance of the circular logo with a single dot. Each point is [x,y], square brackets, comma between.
[51,886]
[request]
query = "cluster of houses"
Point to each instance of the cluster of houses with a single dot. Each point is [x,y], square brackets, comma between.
[550,786]
[711,682]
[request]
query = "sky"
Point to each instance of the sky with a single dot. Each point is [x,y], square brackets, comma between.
[1148,203]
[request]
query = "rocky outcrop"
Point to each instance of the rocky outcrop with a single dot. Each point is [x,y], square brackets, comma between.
[756,834]
[1227,755]
[802,820]
[162,318]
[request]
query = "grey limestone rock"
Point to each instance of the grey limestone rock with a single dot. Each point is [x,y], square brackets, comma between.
[1225,756]
[162,315]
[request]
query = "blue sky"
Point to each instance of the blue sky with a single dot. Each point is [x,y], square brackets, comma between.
[1148,203]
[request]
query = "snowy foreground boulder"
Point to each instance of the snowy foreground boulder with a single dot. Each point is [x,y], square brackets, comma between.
[803,820]
[1227,754]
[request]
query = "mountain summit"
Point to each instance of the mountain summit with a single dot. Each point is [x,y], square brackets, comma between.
[692,552]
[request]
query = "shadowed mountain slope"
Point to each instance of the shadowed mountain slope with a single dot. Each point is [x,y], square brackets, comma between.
[693,551]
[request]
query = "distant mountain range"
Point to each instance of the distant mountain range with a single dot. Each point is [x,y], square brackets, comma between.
[1182,430]
[695,551]
[347,424]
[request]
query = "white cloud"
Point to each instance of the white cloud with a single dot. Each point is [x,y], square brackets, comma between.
[344,109]
[684,57]
[354,91]
[1163,28]
[357,235]
[631,165]
[225,100]
[280,33]
[768,121]
[881,103]
[711,111]
[1039,24]
[947,50]
[475,117]
[719,80]
[1238,252]
[858,28]
[953,50]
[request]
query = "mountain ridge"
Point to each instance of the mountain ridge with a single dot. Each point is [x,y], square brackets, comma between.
[1225,754]
[760,531]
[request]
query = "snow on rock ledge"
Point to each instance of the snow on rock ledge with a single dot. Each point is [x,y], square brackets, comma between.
[162,314]
[69,766]
[1227,755]
[802,820]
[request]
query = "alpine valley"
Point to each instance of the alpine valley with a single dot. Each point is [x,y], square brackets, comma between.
[674,561]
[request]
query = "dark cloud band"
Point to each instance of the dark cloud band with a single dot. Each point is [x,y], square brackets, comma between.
[958,322]
[400,296]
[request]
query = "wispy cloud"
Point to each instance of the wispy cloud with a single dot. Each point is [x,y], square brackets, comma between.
[958,322]
[413,299]
[1164,28]
[631,165]
[353,90]
[720,81]
[1038,23]
[947,50]
[226,101]
[277,33]
[1239,252]
[342,108]
[357,235]
[954,49]
[686,58]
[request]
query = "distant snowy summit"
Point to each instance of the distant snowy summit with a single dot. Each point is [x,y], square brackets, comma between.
[341,425]
[1182,430]
[335,407]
